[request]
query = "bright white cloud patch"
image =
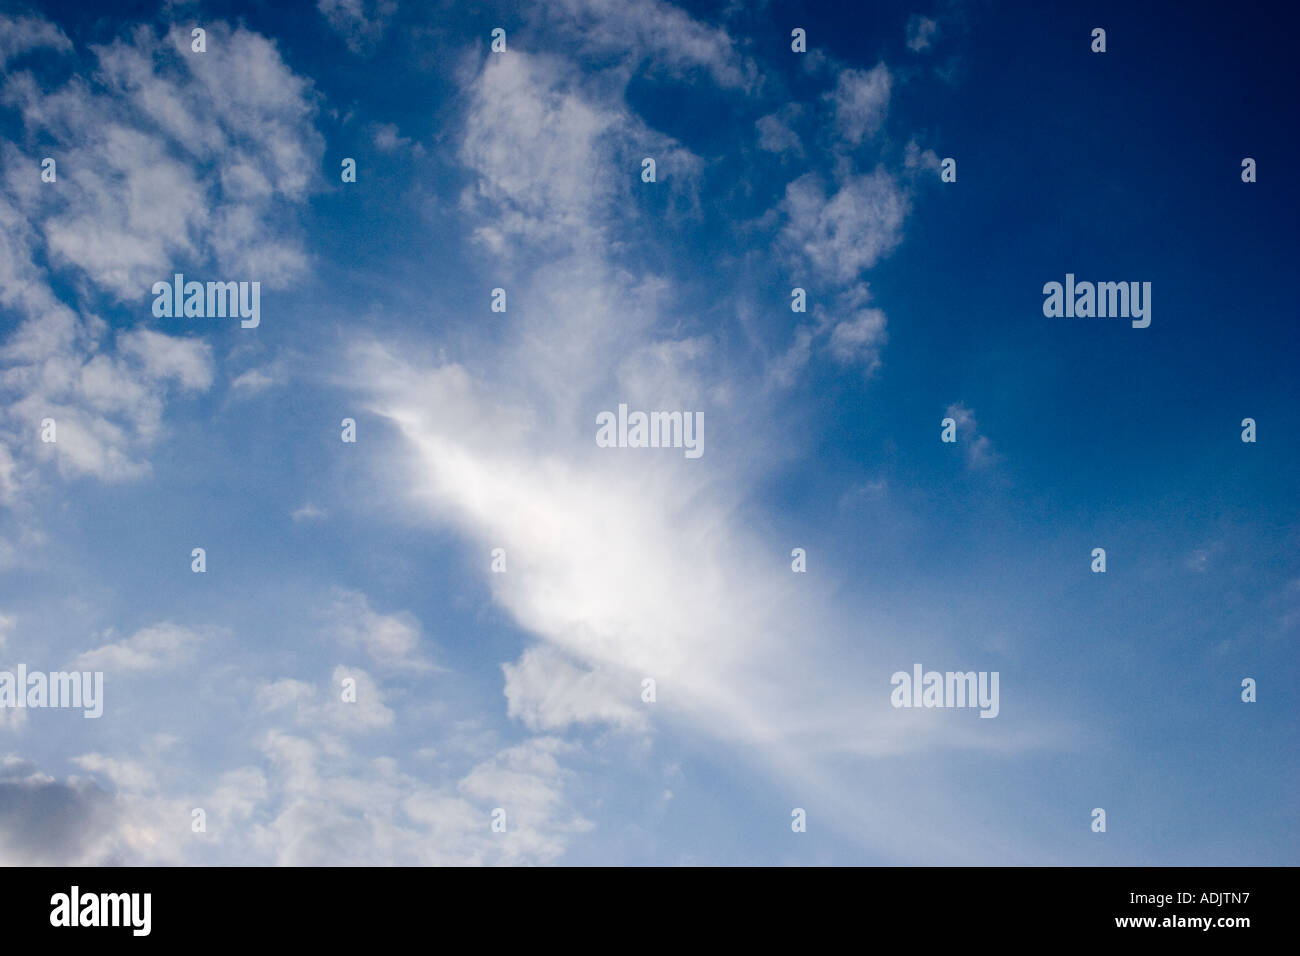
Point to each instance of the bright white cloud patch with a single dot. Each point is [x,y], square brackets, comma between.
[352,703]
[859,338]
[158,647]
[106,408]
[628,567]
[860,101]
[547,691]
[849,231]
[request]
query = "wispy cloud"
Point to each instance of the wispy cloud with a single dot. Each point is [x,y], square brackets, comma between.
[921,32]
[861,101]
[393,640]
[978,447]
[361,23]
[154,648]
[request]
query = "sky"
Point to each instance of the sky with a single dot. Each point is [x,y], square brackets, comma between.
[360,677]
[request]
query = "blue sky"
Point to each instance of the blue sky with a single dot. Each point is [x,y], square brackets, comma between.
[475,430]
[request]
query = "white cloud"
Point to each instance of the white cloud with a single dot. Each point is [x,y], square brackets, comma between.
[361,23]
[858,335]
[775,133]
[557,525]
[547,691]
[308,512]
[19,35]
[471,456]
[853,333]
[8,475]
[175,165]
[546,155]
[330,808]
[388,139]
[920,32]
[167,358]
[668,37]
[860,101]
[859,339]
[13,718]
[258,379]
[979,448]
[158,647]
[392,640]
[106,408]
[627,565]
[312,707]
[915,158]
[848,232]
[124,774]
[536,155]
[313,801]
